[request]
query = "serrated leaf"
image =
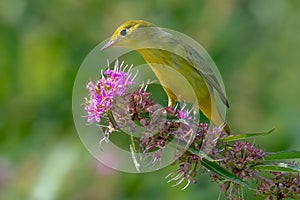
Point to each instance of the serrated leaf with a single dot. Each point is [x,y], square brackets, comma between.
[214,167]
[282,155]
[275,166]
[244,136]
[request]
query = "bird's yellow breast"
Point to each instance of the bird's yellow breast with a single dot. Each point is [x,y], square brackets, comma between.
[176,75]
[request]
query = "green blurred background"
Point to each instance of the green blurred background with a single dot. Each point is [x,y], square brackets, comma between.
[254,43]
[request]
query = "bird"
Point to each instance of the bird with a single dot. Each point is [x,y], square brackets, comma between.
[171,59]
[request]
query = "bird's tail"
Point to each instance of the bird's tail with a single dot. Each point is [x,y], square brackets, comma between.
[226,128]
[210,110]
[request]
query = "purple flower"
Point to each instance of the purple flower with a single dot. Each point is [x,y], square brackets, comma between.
[114,82]
[187,170]
[282,185]
[239,156]
[162,125]
[210,140]
[184,114]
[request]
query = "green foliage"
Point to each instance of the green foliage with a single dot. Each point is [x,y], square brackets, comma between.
[276,167]
[282,155]
[244,136]
[214,167]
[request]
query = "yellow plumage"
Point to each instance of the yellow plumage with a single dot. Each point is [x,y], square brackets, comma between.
[169,56]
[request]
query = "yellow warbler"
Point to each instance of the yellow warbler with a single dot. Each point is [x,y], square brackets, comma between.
[159,48]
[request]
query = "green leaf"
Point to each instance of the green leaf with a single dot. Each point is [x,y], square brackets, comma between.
[275,166]
[244,136]
[282,155]
[200,153]
[214,167]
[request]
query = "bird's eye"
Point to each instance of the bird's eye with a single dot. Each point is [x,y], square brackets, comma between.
[123,32]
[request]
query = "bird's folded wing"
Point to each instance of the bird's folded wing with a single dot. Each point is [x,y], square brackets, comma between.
[200,65]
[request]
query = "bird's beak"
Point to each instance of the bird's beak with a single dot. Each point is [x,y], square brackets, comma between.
[109,44]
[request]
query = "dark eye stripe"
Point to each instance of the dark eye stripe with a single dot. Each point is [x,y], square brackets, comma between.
[123,32]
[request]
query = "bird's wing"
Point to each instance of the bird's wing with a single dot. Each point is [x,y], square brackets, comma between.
[198,62]
[194,58]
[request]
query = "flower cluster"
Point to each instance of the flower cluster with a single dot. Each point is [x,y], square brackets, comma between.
[240,156]
[188,168]
[113,83]
[200,147]
[238,159]
[282,185]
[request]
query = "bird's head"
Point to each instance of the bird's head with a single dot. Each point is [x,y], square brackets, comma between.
[130,34]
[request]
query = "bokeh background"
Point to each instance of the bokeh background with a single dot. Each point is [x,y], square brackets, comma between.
[254,43]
